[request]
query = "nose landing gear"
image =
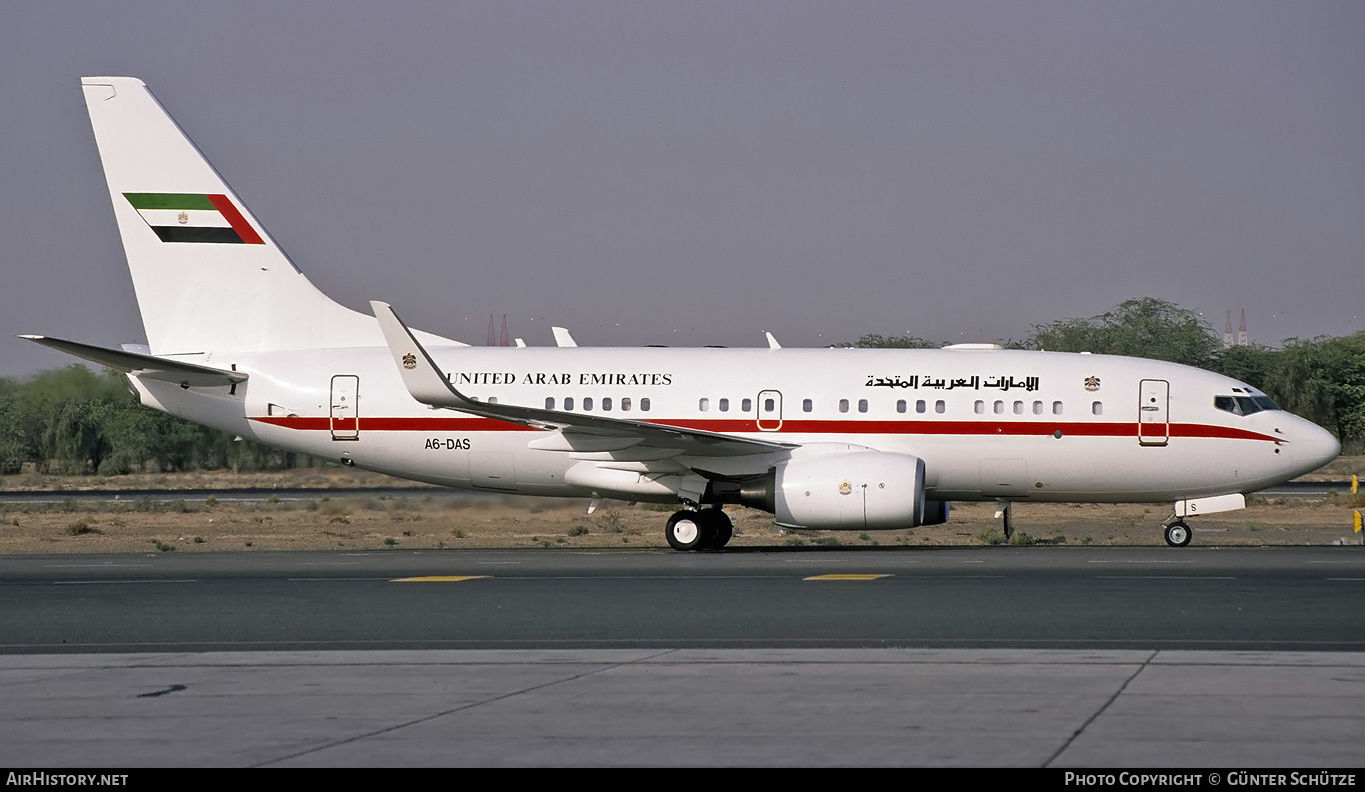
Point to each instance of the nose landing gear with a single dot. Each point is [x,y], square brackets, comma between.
[1178,533]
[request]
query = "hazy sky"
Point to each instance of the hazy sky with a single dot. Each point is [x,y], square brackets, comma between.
[695,173]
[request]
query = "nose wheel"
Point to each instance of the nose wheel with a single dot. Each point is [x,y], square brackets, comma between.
[1178,533]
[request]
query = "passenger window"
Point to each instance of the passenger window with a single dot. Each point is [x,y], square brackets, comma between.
[862,405]
[920,406]
[549,402]
[724,405]
[748,404]
[769,405]
[587,403]
[644,404]
[704,405]
[568,403]
[1037,408]
[1018,408]
[606,404]
[940,407]
[492,399]
[625,404]
[843,405]
[979,407]
[1057,408]
[1097,408]
[807,405]
[900,406]
[999,408]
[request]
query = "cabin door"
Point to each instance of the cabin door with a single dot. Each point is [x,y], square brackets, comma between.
[345,422]
[769,410]
[1154,419]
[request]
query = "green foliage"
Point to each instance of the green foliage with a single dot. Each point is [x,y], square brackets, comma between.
[991,536]
[1144,327]
[74,421]
[1250,364]
[1323,380]
[874,341]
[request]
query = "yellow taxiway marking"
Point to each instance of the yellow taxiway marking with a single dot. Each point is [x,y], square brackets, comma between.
[845,577]
[440,579]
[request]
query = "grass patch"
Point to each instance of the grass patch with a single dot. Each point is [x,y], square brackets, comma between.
[79,528]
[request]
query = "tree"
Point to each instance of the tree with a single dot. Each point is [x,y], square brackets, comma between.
[1144,327]
[874,341]
[1323,380]
[1251,364]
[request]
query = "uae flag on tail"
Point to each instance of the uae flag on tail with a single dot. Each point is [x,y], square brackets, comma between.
[186,217]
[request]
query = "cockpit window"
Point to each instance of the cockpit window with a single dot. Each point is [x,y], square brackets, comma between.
[1243,405]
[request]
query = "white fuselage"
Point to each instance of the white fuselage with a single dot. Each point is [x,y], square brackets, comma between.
[989,424]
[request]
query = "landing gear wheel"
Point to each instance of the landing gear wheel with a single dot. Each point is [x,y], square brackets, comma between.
[1178,534]
[685,530]
[717,527]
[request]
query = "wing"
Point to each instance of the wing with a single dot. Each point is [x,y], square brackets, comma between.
[429,385]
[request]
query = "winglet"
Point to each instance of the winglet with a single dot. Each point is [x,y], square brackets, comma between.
[563,338]
[772,342]
[421,375]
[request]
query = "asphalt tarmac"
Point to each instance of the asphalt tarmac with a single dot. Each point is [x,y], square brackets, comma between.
[1016,656]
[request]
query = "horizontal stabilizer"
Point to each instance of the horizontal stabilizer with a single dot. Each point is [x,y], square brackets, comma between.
[187,375]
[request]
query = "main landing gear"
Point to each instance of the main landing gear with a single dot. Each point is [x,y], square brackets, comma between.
[1178,533]
[702,529]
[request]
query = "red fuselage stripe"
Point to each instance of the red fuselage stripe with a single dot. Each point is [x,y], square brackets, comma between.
[749,426]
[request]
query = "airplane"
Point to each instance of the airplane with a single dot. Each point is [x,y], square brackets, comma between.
[238,339]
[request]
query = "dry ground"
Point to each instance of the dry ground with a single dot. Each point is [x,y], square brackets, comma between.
[421,521]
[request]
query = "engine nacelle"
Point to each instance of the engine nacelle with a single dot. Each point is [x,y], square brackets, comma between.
[852,490]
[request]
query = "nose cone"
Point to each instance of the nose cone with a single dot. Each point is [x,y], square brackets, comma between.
[1312,446]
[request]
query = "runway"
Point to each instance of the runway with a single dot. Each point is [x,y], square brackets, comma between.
[1015,656]
[998,597]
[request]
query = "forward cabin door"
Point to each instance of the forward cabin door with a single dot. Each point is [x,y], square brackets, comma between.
[345,422]
[1154,419]
[769,410]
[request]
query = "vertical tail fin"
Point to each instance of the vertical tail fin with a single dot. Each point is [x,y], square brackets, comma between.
[208,276]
